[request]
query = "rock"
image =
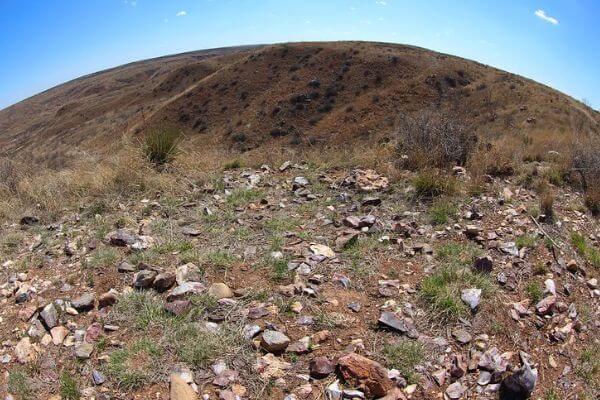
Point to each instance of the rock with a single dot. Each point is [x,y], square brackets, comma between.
[185,289]
[397,323]
[220,291]
[371,201]
[178,307]
[189,231]
[121,238]
[322,250]
[462,336]
[365,180]
[572,266]
[107,299]
[84,303]
[321,367]
[485,377]
[180,390]
[25,351]
[299,182]
[50,316]
[58,333]
[346,238]
[98,378]
[471,297]
[546,305]
[187,272]
[144,279]
[483,265]
[333,391]
[367,375]
[455,390]
[125,267]
[519,385]
[163,282]
[274,341]
[29,220]
[84,350]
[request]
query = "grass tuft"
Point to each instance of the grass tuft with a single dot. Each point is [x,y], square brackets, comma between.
[432,183]
[160,145]
[404,356]
[69,389]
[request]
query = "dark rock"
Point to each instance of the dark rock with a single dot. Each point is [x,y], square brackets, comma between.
[121,237]
[321,367]
[164,281]
[178,307]
[84,303]
[519,385]
[144,279]
[483,264]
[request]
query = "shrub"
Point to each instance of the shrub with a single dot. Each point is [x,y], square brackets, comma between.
[586,164]
[160,145]
[432,183]
[69,389]
[434,140]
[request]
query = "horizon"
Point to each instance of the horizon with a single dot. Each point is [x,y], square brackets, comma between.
[544,42]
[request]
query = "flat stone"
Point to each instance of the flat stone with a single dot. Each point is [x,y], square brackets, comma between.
[84,350]
[455,390]
[397,323]
[185,289]
[178,307]
[58,333]
[84,303]
[274,341]
[98,378]
[462,336]
[121,237]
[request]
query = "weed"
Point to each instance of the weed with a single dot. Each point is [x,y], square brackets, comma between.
[220,260]
[588,367]
[328,320]
[235,164]
[241,197]
[141,309]
[458,253]
[529,241]
[136,364]
[69,389]
[442,290]
[19,384]
[404,356]
[441,211]
[104,257]
[547,205]
[431,183]
[591,254]
[534,291]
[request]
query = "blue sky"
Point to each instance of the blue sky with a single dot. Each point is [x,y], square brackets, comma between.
[47,42]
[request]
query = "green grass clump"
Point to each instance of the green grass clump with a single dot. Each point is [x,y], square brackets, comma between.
[141,309]
[19,384]
[535,291]
[588,368]
[241,197]
[430,183]
[442,290]
[591,254]
[69,389]
[461,254]
[104,257]
[135,365]
[160,145]
[529,241]
[235,164]
[404,356]
[442,211]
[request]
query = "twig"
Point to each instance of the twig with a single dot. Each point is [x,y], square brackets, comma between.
[545,234]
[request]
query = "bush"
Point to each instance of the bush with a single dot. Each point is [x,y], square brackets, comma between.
[547,205]
[160,145]
[586,165]
[434,140]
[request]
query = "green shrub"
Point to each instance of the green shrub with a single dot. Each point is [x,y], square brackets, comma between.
[69,389]
[534,291]
[442,211]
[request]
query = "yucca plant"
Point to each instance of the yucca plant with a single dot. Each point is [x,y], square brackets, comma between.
[160,145]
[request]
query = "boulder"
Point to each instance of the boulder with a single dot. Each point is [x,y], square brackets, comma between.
[367,375]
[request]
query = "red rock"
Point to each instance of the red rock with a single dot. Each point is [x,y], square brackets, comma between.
[364,374]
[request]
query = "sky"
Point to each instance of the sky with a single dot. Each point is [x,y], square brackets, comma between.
[47,42]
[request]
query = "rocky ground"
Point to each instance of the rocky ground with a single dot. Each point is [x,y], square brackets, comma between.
[299,282]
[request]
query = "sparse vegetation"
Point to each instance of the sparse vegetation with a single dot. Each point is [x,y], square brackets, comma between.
[442,211]
[135,365]
[19,384]
[535,291]
[526,241]
[590,253]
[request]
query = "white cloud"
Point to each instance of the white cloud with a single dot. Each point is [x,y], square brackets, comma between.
[381,3]
[542,14]
[181,13]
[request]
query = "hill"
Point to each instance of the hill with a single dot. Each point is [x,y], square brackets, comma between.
[291,95]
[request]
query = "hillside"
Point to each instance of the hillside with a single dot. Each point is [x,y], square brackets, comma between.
[300,222]
[291,94]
